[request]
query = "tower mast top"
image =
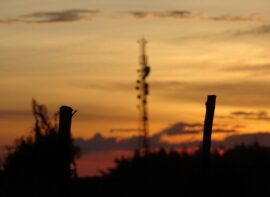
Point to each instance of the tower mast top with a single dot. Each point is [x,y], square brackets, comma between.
[143,89]
[143,43]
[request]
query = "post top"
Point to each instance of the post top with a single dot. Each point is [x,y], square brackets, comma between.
[211,100]
[212,96]
[66,108]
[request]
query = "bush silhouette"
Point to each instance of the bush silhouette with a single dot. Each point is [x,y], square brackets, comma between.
[32,165]
[241,171]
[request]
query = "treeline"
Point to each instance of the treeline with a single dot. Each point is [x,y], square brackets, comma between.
[32,169]
[35,165]
[241,171]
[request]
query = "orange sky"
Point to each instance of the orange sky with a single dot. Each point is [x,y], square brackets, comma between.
[85,55]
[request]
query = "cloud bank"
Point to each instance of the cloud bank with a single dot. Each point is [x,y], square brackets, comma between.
[54,16]
[61,16]
[72,15]
[101,143]
[185,14]
[260,30]
[248,115]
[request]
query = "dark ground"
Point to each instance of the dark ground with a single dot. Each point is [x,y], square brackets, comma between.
[242,171]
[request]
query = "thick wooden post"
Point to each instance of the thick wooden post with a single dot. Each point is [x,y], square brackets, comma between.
[65,147]
[208,124]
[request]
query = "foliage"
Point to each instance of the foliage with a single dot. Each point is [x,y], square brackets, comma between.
[241,171]
[33,163]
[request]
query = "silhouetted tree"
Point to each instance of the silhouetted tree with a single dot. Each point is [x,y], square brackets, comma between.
[32,164]
[242,171]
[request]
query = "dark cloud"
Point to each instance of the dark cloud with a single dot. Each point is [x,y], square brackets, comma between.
[79,14]
[53,16]
[101,143]
[243,113]
[248,115]
[10,21]
[231,18]
[164,14]
[185,14]
[261,115]
[263,138]
[139,14]
[180,14]
[60,16]
[220,130]
[182,128]
[261,30]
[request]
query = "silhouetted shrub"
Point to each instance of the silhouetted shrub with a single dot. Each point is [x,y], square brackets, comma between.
[32,166]
[242,171]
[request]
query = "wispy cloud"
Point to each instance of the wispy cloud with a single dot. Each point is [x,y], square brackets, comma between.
[101,143]
[260,30]
[185,14]
[54,16]
[248,115]
[61,16]
[232,18]
[10,21]
[182,128]
[221,130]
[88,14]
[181,14]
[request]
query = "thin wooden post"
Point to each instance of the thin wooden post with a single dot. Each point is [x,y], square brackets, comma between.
[208,124]
[64,134]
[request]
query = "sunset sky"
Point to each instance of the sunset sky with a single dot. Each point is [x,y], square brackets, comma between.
[85,54]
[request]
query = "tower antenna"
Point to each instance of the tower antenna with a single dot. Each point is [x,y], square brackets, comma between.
[143,89]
